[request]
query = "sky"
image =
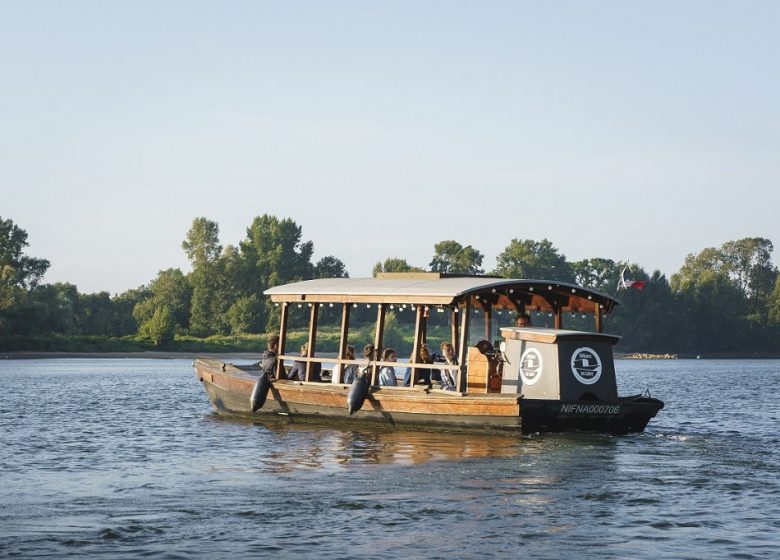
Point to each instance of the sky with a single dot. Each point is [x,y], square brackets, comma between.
[636,131]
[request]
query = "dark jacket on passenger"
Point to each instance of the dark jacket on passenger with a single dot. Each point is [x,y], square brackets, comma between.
[423,375]
[298,371]
[268,363]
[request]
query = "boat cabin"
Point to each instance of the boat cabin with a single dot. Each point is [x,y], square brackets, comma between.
[476,315]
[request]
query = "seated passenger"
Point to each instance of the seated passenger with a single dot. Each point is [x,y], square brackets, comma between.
[298,370]
[423,374]
[387,373]
[449,376]
[267,364]
[350,371]
[523,320]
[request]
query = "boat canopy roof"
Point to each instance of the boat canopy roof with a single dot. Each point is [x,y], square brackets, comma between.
[433,288]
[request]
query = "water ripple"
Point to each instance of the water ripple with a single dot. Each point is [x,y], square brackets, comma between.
[122,458]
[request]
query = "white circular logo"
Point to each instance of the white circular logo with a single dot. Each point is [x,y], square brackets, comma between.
[586,365]
[531,366]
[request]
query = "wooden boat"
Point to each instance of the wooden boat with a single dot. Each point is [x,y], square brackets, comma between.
[533,379]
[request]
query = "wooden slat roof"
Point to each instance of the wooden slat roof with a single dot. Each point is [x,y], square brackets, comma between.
[436,289]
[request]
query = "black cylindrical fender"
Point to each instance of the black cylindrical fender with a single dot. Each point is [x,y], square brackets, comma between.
[260,393]
[357,394]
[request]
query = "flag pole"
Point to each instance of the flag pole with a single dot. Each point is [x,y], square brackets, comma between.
[620,283]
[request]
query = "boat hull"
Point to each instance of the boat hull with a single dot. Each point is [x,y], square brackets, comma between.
[627,415]
[229,389]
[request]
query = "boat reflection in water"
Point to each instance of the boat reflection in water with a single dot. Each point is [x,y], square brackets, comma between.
[293,446]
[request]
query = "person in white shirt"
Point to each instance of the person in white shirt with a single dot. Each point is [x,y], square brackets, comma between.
[387,373]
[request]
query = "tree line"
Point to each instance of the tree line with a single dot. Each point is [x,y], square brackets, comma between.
[723,300]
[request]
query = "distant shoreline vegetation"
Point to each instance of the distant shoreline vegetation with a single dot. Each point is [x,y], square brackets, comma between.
[724,301]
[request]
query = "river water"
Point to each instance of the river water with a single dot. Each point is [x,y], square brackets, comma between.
[123,458]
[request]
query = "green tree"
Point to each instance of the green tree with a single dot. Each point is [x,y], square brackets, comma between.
[749,263]
[711,303]
[774,304]
[746,263]
[62,302]
[172,290]
[597,274]
[648,320]
[161,327]
[123,322]
[534,260]
[19,312]
[451,257]
[244,315]
[203,250]
[16,268]
[94,314]
[330,267]
[274,253]
[395,264]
